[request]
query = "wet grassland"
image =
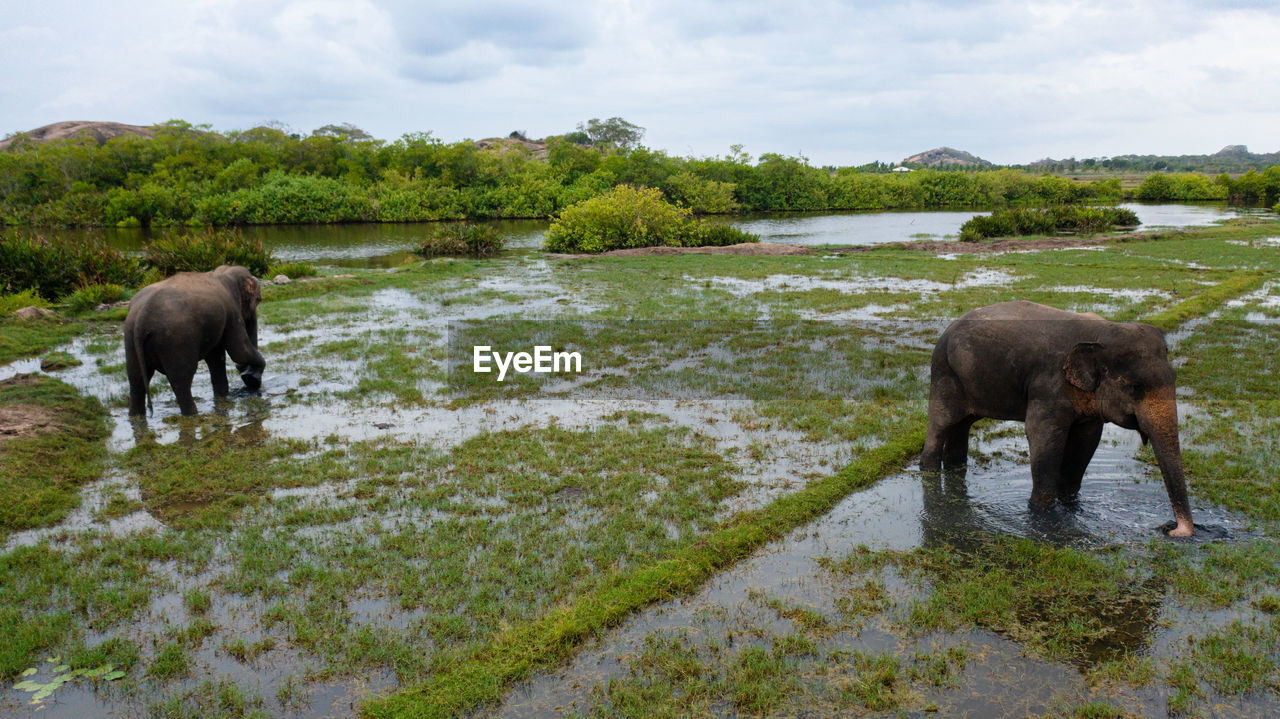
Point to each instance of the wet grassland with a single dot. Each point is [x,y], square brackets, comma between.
[373,534]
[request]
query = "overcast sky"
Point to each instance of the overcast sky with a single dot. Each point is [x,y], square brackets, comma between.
[840,83]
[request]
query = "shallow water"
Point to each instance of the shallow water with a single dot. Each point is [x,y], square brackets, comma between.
[392,244]
[1122,502]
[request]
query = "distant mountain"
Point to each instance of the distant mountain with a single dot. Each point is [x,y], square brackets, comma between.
[99,131]
[537,148]
[1232,158]
[940,156]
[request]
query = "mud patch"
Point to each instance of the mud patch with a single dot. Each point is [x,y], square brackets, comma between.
[24,420]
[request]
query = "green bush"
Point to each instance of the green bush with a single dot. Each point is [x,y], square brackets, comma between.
[462,238]
[625,216]
[1067,218]
[704,234]
[629,216]
[292,270]
[1188,186]
[56,268]
[90,296]
[18,300]
[203,250]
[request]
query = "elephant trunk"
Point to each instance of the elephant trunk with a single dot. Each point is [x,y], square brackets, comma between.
[1158,419]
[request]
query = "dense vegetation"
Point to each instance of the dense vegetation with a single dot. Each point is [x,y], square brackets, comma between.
[1013,222]
[189,175]
[1234,159]
[629,216]
[87,272]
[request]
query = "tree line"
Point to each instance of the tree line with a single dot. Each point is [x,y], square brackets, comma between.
[190,175]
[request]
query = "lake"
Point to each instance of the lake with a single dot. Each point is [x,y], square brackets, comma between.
[388,245]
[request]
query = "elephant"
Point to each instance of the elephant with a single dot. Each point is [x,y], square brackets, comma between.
[1064,375]
[193,316]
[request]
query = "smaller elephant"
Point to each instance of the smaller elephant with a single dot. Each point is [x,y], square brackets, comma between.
[1064,375]
[193,316]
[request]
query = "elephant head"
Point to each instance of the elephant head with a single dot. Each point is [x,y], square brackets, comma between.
[248,291]
[1125,374]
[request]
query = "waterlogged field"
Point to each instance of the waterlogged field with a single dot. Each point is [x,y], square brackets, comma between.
[718,517]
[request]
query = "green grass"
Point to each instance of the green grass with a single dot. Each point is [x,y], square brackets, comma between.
[24,338]
[498,557]
[482,675]
[41,474]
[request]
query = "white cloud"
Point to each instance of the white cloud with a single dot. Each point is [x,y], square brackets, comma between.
[841,82]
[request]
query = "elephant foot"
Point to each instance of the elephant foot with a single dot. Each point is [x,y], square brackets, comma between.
[252,378]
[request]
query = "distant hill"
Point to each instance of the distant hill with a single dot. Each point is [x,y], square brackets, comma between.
[941,156]
[537,148]
[1231,159]
[99,131]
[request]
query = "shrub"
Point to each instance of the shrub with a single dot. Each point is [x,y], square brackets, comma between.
[206,249]
[704,234]
[56,268]
[634,217]
[1014,222]
[292,270]
[462,238]
[90,296]
[18,300]
[623,217]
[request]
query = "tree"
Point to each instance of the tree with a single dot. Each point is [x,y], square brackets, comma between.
[614,132]
[344,131]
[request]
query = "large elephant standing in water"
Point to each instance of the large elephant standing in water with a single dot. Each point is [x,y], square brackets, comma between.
[1064,375]
[193,316]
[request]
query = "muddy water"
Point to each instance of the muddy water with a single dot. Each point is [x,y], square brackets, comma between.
[1122,502]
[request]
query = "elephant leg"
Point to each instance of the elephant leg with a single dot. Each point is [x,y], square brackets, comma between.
[1047,438]
[180,381]
[955,457]
[139,381]
[944,415]
[1082,442]
[217,362]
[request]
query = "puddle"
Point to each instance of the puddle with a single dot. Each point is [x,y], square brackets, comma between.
[1122,502]
[855,285]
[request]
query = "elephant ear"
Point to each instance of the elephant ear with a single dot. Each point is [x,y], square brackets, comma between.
[250,295]
[1083,367]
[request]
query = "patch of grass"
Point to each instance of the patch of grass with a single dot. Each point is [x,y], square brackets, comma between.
[1128,669]
[1207,300]
[24,338]
[462,239]
[197,600]
[86,298]
[1236,659]
[1059,603]
[482,674]
[221,699]
[941,668]
[873,682]
[55,361]
[40,474]
[245,652]
[757,680]
[26,636]
[172,661]
[119,652]
[292,270]
[204,482]
[9,302]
